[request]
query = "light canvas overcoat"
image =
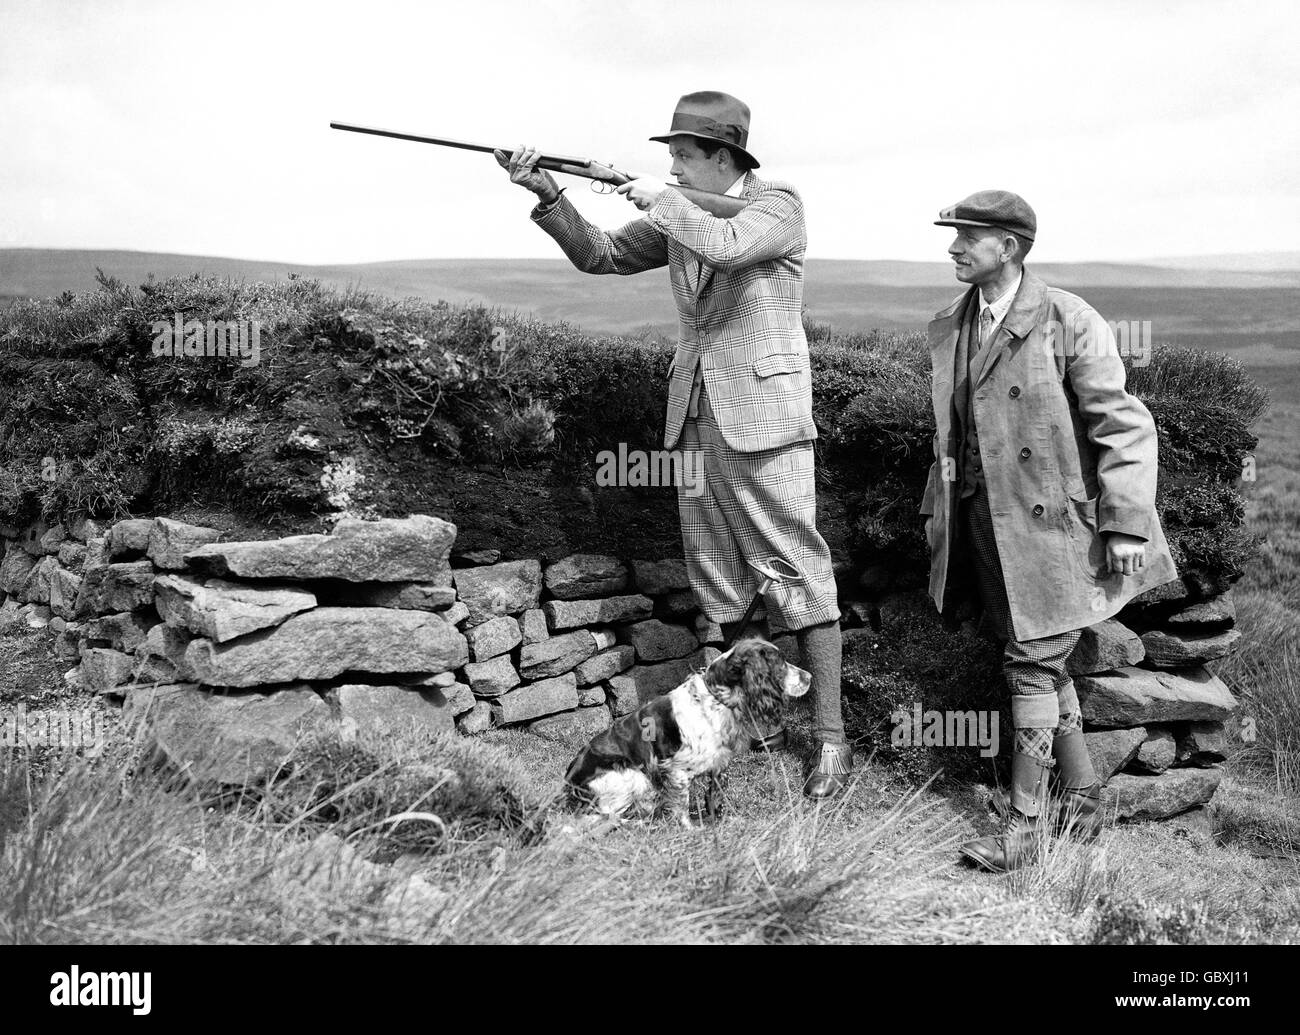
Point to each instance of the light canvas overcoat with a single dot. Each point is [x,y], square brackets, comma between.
[738,285]
[1067,455]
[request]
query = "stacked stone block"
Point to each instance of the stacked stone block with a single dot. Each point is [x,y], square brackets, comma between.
[252,645]
[565,647]
[1157,721]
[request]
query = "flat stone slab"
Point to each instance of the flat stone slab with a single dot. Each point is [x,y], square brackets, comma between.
[1179,649]
[1176,589]
[413,549]
[499,589]
[1112,750]
[590,696]
[586,575]
[235,739]
[1129,796]
[605,665]
[327,641]
[113,588]
[1104,647]
[1217,611]
[222,610]
[533,700]
[378,710]
[169,541]
[460,698]
[1138,697]
[570,614]
[579,725]
[129,536]
[492,678]
[405,596]
[493,637]
[556,655]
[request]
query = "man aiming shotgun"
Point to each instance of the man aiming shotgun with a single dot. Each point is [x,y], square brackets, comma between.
[740,388]
[605,178]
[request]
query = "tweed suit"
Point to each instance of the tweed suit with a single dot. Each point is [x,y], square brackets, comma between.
[738,288]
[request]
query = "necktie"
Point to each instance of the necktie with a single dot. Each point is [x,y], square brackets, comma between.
[986,328]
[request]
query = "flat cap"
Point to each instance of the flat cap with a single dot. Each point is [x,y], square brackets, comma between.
[996,208]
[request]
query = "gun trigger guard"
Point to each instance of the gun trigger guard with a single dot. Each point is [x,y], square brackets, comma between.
[602,187]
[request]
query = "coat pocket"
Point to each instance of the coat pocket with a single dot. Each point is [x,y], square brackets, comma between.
[1079,513]
[781,363]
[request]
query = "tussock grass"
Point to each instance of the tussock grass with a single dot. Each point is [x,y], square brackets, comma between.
[111,852]
[1265,670]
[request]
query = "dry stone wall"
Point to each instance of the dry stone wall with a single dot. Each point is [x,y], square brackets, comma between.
[1157,722]
[376,625]
[379,624]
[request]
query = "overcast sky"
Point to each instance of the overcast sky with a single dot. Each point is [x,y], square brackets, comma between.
[1133,128]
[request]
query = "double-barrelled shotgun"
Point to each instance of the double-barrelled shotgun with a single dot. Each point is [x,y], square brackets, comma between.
[720,205]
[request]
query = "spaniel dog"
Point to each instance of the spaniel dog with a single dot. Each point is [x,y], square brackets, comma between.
[644,762]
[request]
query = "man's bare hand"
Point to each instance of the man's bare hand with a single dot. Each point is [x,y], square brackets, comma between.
[522,166]
[643,192]
[1124,553]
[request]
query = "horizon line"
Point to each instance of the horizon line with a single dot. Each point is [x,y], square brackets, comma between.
[1150,262]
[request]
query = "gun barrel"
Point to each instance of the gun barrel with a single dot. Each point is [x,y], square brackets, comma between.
[716,204]
[464,145]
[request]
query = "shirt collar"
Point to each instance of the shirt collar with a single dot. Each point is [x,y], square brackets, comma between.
[734,190]
[1002,303]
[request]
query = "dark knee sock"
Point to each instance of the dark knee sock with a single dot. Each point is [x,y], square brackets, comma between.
[821,648]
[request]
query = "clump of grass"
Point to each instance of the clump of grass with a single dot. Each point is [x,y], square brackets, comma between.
[1265,673]
[1137,922]
[411,793]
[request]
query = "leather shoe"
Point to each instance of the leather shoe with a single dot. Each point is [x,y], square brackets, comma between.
[1022,835]
[774,741]
[831,774]
[1079,812]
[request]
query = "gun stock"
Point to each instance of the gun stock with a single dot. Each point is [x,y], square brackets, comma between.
[720,205]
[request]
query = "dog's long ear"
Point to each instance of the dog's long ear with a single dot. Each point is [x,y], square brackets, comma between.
[727,672]
[764,676]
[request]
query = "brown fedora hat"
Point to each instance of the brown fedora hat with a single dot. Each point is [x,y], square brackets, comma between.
[710,115]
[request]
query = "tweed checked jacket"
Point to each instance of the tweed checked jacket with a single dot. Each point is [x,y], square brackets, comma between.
[1067,454]
[738,285]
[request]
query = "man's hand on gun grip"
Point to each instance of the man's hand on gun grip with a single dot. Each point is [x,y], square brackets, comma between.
[522,168]
[643,192]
